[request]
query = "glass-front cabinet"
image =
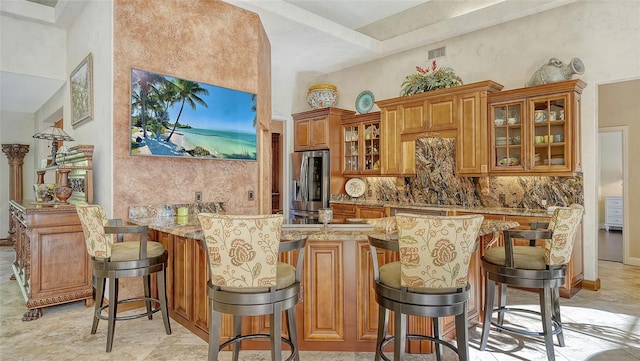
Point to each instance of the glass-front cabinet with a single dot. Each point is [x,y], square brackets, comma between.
[508,137]
[549,132]
[536,130]
[361,144]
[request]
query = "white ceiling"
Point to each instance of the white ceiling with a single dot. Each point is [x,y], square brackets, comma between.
[312,36]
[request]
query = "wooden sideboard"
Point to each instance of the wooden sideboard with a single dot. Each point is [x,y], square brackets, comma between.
[52,264]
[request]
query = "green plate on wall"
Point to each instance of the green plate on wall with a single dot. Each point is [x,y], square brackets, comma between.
[364,102]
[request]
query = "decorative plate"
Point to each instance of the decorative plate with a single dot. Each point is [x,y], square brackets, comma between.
[364,102]
[355,187]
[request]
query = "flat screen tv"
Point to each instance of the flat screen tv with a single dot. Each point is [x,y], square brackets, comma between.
[173,117]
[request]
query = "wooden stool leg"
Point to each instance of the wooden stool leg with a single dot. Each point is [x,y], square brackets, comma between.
[489,295]
[462,334]
[503,302]
[291,330]
[237,332]
[276,332]
[400,325]
[436,334]
[113,310]
[146,280]
[99,302]
[547,326]
[383,322]
[162,294]
[215,325]
[556,314]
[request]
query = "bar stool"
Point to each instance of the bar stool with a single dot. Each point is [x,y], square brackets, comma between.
[246,278]
[112,259]
[532,267]
[431,279]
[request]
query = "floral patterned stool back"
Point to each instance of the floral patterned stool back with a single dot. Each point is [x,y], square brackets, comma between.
[430,280]
[246,278]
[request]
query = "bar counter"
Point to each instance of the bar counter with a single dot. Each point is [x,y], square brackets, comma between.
[337,312]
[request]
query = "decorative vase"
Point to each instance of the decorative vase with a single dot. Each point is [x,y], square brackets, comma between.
[322,96]
[62,190]
[555,70]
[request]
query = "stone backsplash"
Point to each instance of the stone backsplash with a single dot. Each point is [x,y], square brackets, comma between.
[435,183]
[171,210]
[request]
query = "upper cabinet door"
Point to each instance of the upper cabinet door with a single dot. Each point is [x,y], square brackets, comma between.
[545,120]
[362,148]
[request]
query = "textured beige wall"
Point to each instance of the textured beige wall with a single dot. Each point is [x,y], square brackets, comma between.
[206,41]
[618,106]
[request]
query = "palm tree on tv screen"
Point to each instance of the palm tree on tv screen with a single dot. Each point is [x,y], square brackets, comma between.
[146,83]
[187,92]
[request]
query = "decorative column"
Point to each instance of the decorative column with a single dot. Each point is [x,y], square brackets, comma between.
[15,153]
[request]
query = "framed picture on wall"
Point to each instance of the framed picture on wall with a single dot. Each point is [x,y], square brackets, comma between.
[176,117]
[81,81]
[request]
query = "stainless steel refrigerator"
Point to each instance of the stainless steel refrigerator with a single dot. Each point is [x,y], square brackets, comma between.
[310,185]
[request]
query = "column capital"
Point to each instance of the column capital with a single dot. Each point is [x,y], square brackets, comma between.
[15,152]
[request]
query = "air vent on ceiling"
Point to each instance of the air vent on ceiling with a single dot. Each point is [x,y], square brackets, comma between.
[437,53]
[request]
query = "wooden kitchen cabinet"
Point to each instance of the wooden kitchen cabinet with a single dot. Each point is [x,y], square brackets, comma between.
[317,128]
[361,146]
[536,130]
[458,112]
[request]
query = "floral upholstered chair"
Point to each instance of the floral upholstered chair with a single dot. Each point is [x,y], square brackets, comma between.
[247,279]
[112,259]
[431,278]
[532,267]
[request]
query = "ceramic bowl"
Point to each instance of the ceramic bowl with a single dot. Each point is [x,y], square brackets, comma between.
[499,121]
[513,121]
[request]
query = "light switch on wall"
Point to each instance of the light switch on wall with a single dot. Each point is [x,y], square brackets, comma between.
[251,195]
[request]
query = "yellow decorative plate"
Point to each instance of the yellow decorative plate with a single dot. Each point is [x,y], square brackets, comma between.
[355,187]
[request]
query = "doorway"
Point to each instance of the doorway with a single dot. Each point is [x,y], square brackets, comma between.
[611,150]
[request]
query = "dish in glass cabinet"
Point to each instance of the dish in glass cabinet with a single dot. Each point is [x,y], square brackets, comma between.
[364,102]
[355,187]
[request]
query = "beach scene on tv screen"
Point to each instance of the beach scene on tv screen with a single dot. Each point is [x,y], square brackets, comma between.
[174,117]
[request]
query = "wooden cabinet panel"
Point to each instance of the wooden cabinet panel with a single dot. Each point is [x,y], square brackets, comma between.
[182,277]
[367,326]
[343,211]
[391,127]
[166,240]
[471,141]
[200,297]
[323,291]
[371,212]
[442,115]
[302,135]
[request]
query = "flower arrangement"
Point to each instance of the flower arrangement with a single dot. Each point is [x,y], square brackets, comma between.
[429,79]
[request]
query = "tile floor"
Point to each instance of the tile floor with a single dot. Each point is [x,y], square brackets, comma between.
[599,326]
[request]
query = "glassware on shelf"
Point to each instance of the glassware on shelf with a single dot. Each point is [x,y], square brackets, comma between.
[325,215]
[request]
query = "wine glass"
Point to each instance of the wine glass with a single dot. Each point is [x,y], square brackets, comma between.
[324,216]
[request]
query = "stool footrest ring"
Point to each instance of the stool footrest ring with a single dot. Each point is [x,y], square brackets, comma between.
[259,335]
[134,316]
[556,329]
[418,337]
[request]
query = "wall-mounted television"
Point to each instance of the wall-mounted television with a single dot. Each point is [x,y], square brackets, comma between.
[174,117]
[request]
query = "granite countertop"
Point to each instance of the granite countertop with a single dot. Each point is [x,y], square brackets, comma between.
[189,227]
[449,208]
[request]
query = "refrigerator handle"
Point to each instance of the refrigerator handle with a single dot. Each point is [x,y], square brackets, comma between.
[303,177]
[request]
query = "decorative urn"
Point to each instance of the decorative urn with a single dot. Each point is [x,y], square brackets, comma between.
[322,95]
[555,70]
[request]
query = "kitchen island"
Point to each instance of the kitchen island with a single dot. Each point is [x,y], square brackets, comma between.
[338,310]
